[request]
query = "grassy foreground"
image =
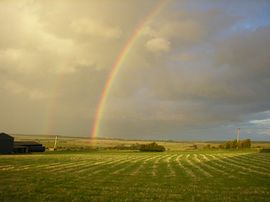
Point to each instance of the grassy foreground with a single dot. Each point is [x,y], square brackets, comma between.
[136,176]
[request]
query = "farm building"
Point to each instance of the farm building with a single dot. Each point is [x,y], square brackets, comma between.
[6,143]
[28,146]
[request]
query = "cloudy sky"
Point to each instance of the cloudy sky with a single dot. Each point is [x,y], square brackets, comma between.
[197,70]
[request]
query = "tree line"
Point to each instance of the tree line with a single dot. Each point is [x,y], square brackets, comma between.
[231,144]
[234,144]
[151,147]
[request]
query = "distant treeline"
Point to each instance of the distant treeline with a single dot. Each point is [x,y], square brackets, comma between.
[265,150]
[126,147]
[151,147]
[232,144]
[75,148]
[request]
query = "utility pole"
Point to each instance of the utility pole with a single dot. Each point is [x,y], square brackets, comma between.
[55,143]
[238,134]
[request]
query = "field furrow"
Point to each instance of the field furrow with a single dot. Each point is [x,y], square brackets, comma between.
[240,168]
[257,159]
[142,165]
[264,157]
[246,167]
[129,164]
[169,161]
[193,163]
[113,166]
[136,176]
[186,170]
[216,167]
[251,163]
[157,163]
[64,167]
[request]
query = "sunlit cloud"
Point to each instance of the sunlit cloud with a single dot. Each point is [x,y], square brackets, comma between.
[158,45]
[92,28]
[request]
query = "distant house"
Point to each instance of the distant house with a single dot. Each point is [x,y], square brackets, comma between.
[6,143]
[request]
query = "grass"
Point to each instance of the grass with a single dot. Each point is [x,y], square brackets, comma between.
[136,176]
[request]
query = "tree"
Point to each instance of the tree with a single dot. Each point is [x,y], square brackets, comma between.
[152,147]
[246,143]
[237,145]
[208,146]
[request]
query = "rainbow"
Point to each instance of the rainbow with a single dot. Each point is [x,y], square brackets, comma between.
[118,63]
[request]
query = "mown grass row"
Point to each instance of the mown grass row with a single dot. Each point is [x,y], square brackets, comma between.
[203,164]
[135,176]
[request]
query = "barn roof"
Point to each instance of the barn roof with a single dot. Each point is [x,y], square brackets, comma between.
[5,136]
[26,143]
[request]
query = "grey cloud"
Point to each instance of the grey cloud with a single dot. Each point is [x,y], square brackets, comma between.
[228,90]
[55,59]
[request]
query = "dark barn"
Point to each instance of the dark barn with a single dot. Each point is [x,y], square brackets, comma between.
[28,146]
[6,143]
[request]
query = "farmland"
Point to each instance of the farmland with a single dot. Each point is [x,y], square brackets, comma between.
[136,176]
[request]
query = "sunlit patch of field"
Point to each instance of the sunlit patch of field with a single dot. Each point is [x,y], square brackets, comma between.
[136,176]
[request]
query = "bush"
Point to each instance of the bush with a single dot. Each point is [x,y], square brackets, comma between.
[195,146]
[241,144]
[265,150]
[152,147]
[208,146]
[221,146]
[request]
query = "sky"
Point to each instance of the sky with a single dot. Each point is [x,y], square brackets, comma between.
[197,70]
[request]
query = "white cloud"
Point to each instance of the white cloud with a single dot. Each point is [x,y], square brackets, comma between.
[94,28]
[158,45]
[14,87]
[149,31]
[18,89]
[264,122]
[10,54]
[36,94]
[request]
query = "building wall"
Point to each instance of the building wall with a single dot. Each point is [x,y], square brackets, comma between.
[6,144]
[36,149]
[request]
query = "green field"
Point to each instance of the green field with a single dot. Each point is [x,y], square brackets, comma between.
[136,176]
